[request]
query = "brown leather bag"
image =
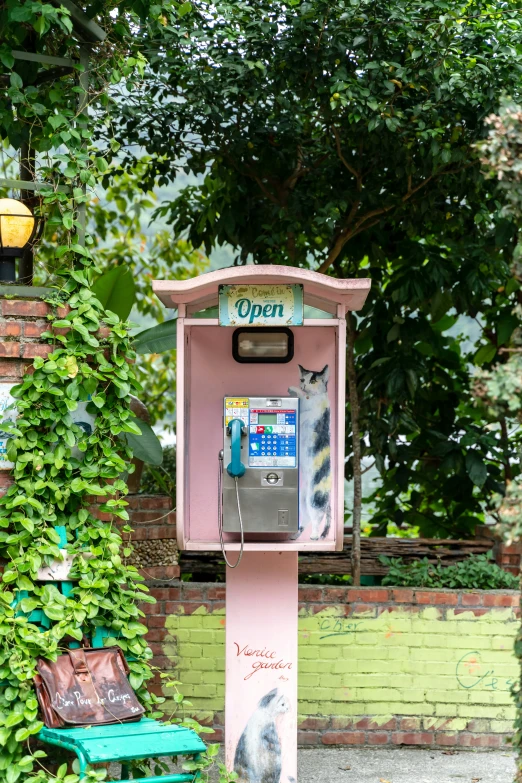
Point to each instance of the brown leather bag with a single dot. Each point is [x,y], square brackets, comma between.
[85,687]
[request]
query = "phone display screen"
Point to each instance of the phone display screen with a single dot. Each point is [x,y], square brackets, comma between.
[267,418]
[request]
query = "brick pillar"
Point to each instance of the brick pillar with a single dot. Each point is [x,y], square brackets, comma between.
[22,321]
[507,556]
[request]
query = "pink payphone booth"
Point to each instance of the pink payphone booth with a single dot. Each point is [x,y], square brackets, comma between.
[260,472]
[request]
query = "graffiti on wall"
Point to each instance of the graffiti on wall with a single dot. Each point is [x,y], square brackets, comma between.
[314,452]
[471,673]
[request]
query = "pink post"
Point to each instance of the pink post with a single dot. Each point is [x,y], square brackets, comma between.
[261,667]
[261,646]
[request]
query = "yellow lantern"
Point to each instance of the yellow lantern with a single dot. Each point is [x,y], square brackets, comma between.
[17,228]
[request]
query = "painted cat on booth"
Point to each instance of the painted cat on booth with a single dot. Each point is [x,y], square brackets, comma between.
[314,452]
[258,756]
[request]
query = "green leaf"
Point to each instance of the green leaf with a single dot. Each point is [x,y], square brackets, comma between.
[14,718]
[28,604]
[122,388]
[146,446]
[41,25]
[21,13]
[476,468]
[28,524]
[157,339]
[56,120]
[6,58]
[445,323]
[101,165]
[75,632]
[393,333]
[440,304]
[54,612]
[512,286]
[485,354]
[116,290]
[505,327]
[16,81]
[14,771]
[184,8]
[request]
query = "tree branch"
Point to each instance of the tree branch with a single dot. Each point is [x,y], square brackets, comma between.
[341,240]
[249,173]
[264,189]
[290,244]
[369,467]
[351,169]
[346,233]
[300,170]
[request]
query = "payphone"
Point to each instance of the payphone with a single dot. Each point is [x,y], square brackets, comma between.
[259,466]
[280,486]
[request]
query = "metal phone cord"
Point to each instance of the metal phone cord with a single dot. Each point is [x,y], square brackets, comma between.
[220,514]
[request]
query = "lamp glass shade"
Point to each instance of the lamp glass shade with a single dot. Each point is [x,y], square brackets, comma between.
[16,223]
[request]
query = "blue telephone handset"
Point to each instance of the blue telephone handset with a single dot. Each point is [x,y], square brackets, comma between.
[236,468]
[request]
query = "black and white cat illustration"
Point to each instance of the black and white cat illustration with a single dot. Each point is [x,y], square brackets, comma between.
[258,752]
[314,451]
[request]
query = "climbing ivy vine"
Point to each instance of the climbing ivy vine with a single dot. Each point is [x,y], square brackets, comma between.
[59,471]
[63,476]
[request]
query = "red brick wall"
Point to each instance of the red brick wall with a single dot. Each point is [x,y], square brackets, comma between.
[21,324]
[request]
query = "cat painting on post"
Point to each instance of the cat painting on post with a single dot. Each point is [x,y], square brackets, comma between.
[258,753]
[314,451]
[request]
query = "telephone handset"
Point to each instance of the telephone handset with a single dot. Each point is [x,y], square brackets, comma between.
[236,429]
[261,452]
[235,469]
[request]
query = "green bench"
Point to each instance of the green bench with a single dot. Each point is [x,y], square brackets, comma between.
[126,742]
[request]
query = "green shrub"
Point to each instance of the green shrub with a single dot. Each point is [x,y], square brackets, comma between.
[161,480]
[477,572]
[326,579]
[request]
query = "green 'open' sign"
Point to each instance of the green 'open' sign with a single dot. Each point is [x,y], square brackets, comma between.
[261,305]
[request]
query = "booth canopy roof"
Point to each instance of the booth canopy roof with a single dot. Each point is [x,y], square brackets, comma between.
[350,293]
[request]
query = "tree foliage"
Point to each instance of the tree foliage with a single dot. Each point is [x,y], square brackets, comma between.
[341,137]
[314,122]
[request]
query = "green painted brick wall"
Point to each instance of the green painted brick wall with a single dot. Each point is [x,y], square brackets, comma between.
[444,667]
